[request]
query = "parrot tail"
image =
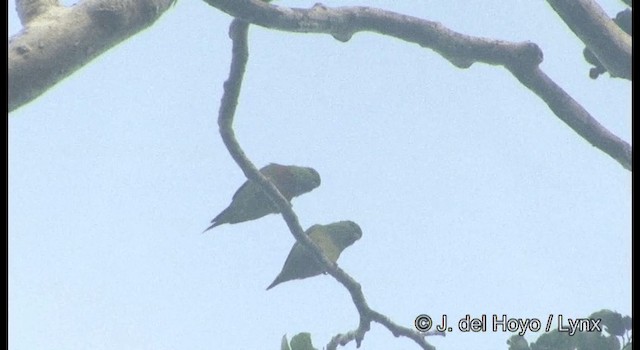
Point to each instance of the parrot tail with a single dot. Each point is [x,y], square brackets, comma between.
[214,224]
[275,282]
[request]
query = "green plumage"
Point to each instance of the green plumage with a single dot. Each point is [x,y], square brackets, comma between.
[332,239]
[250,202]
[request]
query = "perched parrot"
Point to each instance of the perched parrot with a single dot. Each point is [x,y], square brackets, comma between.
[332,239]
[250,202]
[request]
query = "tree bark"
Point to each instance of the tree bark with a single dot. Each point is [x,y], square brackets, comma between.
[56,41]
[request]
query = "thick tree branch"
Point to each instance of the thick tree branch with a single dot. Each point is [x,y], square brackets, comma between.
[574,115]
[522,59]
[29,9]
[603,37]
[238,32]
[343,22]
[56,41]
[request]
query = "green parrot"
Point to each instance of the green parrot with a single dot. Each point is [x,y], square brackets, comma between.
[250,202]
[332,239]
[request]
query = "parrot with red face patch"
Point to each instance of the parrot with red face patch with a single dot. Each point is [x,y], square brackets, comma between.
[250,202]
[332,239]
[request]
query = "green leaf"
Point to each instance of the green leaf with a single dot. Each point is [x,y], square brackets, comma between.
[517,342]
[611,320]
[284,344]
[302,341]
[596,341]
[627,322]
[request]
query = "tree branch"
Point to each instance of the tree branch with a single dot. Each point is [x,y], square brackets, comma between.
[56,41]
[574,115]
[603,37]
[521,59]
[29,9]
[238,33]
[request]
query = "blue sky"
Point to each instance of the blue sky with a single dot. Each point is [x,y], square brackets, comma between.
[472,196]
